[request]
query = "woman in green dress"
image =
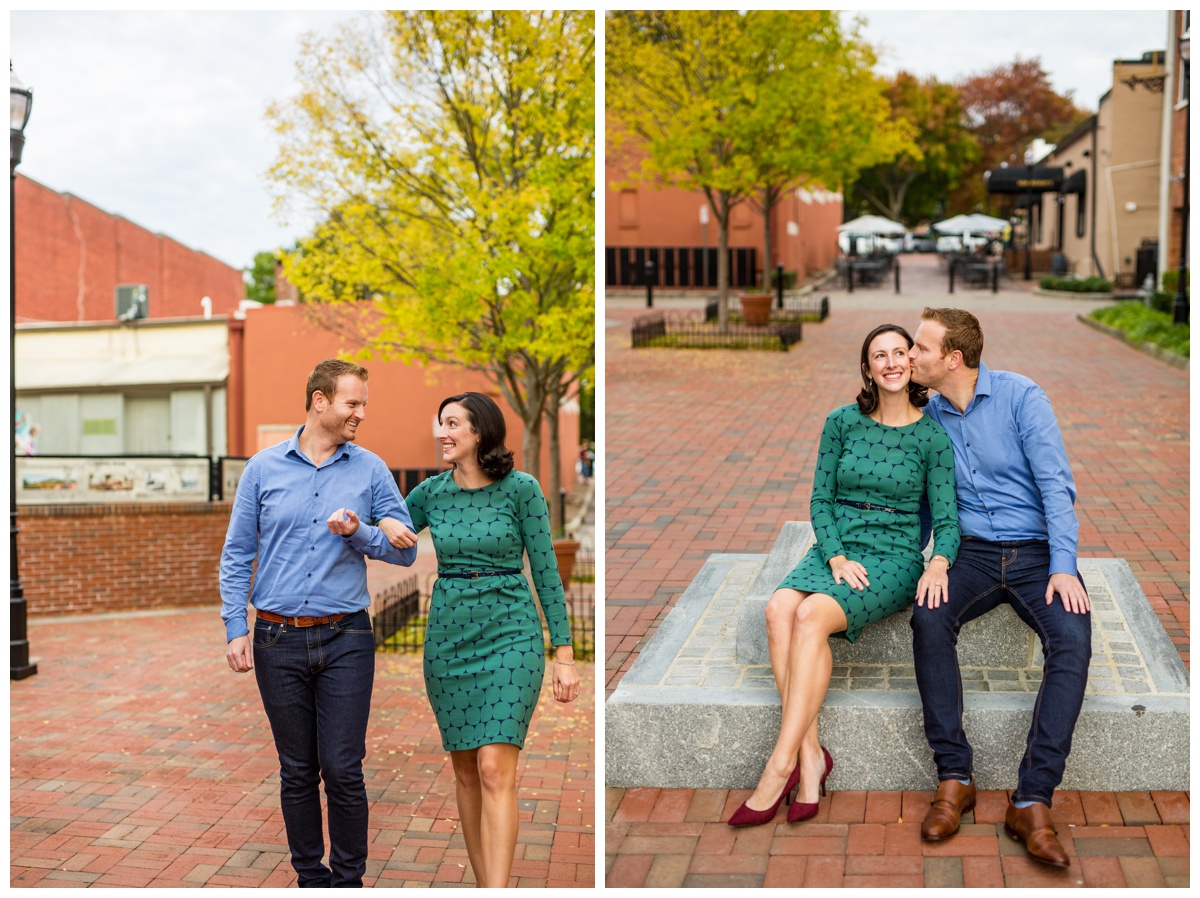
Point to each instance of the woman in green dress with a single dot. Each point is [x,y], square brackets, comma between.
[484,651]
[877,458]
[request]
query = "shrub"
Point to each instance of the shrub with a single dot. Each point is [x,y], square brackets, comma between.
[1077,285]
[1143,325]
[1171,281]
[789,279]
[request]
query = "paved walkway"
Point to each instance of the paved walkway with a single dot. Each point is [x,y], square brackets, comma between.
[712,451]
[139,759]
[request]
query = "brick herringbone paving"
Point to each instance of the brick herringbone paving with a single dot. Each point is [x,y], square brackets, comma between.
[139,759]
[713,450]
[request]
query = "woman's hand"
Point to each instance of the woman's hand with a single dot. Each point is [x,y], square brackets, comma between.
[566,681]
[397,534]
[850,572]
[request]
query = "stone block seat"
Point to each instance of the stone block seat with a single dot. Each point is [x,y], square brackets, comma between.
[699,709]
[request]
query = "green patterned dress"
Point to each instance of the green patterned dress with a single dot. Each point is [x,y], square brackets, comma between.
[865,462]
[484,654]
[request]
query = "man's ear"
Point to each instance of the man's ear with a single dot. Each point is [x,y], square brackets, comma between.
[953,361]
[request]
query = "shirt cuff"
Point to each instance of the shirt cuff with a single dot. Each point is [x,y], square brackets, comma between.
[1064,563]
[235,628]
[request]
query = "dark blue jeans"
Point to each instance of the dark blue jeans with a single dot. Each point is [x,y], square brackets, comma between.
[984,575]
[316,684]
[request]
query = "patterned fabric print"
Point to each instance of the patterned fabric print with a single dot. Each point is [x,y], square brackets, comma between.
[484,655]
[863,461]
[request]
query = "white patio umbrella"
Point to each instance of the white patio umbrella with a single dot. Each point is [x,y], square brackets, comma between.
[976,223]
[871,224]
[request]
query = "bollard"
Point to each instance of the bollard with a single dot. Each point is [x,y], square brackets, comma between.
[849,277]
[648,273]
[779,284]
[995,277]
[897,263]
[951,275]
[562,508]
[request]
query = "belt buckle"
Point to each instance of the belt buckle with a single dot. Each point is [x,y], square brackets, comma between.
[306,621]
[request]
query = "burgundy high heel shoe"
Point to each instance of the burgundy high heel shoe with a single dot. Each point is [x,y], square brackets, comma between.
[747,816]
[798,811]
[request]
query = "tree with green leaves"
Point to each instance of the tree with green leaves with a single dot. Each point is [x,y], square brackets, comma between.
[742,105]
[260,278]
[913,186]
[450,156]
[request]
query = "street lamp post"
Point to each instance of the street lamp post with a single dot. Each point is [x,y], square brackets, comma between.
[20,103]
[1180,309]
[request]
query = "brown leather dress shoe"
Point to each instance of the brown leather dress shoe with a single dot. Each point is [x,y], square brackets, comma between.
[1034,826]
[953,799]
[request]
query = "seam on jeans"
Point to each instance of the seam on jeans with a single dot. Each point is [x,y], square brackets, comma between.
[1027,758]
[962,733]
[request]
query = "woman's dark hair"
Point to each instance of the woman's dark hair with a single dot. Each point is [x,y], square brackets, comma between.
[868,396]
[487,421]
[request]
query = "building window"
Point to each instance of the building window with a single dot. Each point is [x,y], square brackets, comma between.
[1185,76]
[1080,214]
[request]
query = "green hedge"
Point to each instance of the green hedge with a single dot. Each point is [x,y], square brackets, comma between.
[1077,285]
[1171,281]
[1143,325]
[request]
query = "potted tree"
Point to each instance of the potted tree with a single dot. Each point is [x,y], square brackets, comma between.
[756,308]
[564,551]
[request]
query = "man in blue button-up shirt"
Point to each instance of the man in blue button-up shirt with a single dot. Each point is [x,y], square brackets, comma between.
[305,509]
[1020,539]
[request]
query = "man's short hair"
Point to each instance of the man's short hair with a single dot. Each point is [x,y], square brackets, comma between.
[962,333]
[325,376]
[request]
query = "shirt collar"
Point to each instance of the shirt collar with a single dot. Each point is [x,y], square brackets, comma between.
[293,447]
[983,387]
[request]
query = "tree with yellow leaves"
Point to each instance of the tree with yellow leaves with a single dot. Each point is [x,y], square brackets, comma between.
[743,105]
[450,157]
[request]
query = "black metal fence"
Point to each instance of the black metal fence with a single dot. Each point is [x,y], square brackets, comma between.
[682,330]
[676,266]
[795,308]
[402,611]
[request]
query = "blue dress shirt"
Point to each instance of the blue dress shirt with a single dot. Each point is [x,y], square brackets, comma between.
[283,501]
[1010,465]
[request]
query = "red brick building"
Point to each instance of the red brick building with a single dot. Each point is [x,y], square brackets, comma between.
[71,255]
[666,225]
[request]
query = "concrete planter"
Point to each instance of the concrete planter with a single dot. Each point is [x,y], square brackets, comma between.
[564,551]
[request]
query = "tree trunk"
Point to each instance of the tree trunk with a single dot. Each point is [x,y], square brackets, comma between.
[532,411]
[769,195]
[554,487]
[722,215]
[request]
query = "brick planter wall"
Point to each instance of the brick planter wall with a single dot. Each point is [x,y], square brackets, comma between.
[92,559]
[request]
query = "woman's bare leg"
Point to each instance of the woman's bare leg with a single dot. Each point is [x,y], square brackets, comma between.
[498,813]
[469,793]
[807,673]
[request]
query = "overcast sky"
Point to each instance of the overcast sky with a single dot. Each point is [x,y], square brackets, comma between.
[158,116]
[1076,48]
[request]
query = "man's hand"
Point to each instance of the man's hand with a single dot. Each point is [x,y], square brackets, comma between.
[852,572]
[934,585]
[239,654]
[397,534]
[1074,596]
[343,522]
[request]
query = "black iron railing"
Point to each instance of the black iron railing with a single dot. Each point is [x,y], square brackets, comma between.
[402,612]
[795,308]
[682,330]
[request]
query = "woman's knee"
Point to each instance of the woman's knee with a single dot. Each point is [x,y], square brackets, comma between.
[780,610]
[497,771]
[466,769]
[819,617]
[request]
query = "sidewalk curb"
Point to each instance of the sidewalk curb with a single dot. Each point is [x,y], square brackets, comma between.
[1163,355]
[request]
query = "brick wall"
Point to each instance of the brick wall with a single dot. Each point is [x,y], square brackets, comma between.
[91,559]
[71,255]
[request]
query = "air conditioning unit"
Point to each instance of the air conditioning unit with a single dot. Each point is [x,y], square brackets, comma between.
[132,301]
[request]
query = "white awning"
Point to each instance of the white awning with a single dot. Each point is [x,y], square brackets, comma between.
[143,354]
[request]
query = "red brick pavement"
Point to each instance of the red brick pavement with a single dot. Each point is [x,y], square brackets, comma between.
[138,759]
[712,451]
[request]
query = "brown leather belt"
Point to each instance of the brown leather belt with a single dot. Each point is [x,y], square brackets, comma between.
[297,621]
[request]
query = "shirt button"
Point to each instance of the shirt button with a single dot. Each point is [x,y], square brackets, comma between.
[307,602]
[314,520]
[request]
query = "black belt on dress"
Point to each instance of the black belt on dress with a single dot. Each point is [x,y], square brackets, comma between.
[871,506]
[475,575]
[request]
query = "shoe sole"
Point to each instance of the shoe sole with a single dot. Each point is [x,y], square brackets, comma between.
[1016,837]
[953,832]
